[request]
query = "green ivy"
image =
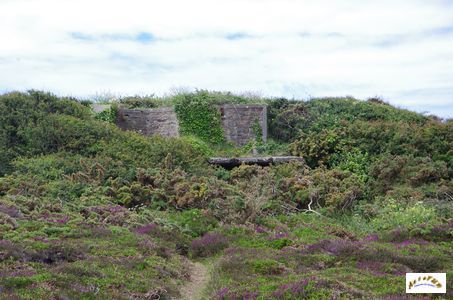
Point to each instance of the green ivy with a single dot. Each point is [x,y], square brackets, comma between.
[198,115]
[258,131]
[108,115]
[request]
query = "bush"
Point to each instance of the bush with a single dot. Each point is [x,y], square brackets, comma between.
[66,133]
[140,102]
[265,267]
[286,119]
[194,222]
[199,146]
[22,112]
[318,148]
[336,189]
[392,215]
[387,172]
[208,245]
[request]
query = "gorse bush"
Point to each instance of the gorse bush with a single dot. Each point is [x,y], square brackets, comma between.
[319,148]
[21,113]
[286,119]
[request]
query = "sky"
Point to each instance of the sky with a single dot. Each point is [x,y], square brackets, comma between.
[401,51]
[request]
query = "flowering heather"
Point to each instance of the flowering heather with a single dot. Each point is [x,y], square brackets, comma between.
[10,250]
[291,289]
[260,229]
[222,293]
[250,295]
[55,218]
[146,229]
[371,266]
[399,234]
[442,232]
[336,247]
[11,211]
[4,244]
[41,239]
[147,245]
[19,273]
[100,231]
[208,244]
[240,251]
[107,209]
[234,250]
[399,270]
[110,214]
[321,283]
[405,297]
[371,238]
[409,242]
[279,235]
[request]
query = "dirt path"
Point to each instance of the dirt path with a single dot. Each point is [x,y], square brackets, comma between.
[199,278]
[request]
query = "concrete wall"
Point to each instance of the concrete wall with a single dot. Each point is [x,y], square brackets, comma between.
[98,108]
[157,121]
[238,120]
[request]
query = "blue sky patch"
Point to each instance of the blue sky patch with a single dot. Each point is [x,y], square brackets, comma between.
[141,37]
[145,37]
[237,36]
[81,36]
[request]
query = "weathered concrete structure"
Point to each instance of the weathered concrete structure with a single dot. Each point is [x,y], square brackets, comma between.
[239,121]
[157,121]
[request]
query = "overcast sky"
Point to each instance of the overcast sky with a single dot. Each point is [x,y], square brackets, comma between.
[399,50]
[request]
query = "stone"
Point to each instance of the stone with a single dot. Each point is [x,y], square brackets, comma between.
[238,121]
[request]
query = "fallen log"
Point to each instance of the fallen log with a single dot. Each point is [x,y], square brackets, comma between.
[264,161]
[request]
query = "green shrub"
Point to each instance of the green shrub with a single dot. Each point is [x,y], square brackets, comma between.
[336,189]
[265,266]
[286,119]
[318,148]
[140,102]
[199,145]
[393,215]
[393,172]
[195,222]
[66,133]
[281,243]
[353,161]
[20,116]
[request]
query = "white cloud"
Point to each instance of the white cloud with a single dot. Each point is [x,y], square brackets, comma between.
[401,50]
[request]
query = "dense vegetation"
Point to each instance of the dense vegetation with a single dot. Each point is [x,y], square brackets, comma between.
[89,211]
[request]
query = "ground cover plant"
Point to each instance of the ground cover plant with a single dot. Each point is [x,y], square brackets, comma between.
[88,211]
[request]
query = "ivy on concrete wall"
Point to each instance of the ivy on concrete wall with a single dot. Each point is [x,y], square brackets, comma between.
[199,115]
[108,115]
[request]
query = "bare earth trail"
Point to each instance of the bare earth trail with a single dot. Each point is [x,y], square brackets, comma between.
[199,278]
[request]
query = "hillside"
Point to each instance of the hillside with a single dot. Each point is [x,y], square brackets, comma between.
[88,211]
